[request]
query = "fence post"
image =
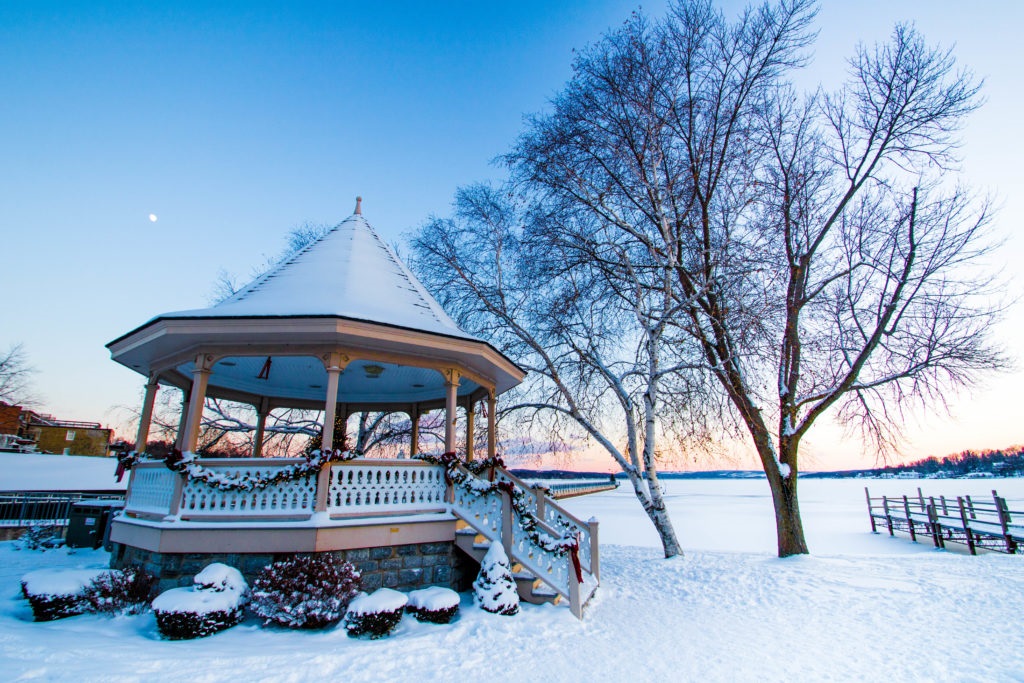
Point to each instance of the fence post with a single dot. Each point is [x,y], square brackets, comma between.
[1004,522]
[595,559]
[538,492]
[933,521]
[967,526]
[506,524]
[867,495]
[920,497]
[945,510]
[888,517]
[910,520]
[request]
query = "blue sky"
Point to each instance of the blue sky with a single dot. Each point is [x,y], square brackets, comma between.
[234,122]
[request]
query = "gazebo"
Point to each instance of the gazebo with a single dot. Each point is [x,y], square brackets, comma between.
[342,326]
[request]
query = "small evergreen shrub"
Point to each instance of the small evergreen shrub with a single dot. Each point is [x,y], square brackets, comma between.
[375,615]
[125,590]
[435,604]
[40,537]
[495,589]
[305,591]
[57,593]
[212,604]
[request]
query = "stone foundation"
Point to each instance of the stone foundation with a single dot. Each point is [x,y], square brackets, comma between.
[402,567]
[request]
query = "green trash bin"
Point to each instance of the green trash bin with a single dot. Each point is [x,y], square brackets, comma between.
[88,522]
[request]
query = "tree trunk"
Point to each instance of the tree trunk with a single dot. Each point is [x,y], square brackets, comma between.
[788,526]
[654,506]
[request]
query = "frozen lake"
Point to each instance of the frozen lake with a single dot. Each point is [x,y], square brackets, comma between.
[737,514]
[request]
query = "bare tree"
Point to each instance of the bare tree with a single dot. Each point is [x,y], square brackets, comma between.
[597,349]
[822,260]
[16,377]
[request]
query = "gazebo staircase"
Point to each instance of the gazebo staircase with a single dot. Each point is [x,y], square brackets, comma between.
[554,555]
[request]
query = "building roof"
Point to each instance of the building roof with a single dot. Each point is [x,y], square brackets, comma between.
[350,272]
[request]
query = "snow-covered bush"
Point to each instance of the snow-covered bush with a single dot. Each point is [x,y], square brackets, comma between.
[40,537]
[57,593]
[494,589]
[375,615]
[306,591]
[120,590]
[212,604]
[434,604]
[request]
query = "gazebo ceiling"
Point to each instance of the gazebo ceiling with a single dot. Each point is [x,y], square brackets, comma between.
[346,293]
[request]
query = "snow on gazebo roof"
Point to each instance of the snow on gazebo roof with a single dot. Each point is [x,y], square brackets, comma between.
[346,293]
[349,272]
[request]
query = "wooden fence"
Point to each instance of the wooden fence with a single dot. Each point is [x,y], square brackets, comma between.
[991,525]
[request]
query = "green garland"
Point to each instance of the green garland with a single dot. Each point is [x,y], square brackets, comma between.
[187,466]
[528,522]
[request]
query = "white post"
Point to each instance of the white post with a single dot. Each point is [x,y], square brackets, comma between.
[470,430]
[451,383]
[261,426]
[414,437]
[146,417]
[492,424]
[335,363]
[200,378]
[179,437]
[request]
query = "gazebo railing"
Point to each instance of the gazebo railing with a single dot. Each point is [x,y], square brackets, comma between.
[385,487]
[355,488]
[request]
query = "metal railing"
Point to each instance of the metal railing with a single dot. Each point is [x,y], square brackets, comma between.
[26,508]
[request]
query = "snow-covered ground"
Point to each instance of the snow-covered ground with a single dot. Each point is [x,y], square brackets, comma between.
[41,472]
[863,607]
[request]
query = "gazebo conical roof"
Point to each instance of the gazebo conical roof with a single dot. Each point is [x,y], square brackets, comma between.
[347,293]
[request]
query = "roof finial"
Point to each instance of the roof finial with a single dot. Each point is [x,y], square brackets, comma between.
[359,206]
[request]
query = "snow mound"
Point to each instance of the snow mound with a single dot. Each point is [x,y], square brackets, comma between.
[220,577]
[181,600]
[59,582]
[381,600]
[434,598]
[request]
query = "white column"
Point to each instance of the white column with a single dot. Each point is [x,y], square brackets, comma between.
[414,437]
[330,407]
[492,424]
[146,417]
[334,364]
[179,437]
[261,425]
[200,378]
[451,385]
[470,427]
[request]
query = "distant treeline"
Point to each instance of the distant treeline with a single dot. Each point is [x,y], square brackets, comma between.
[1003,462]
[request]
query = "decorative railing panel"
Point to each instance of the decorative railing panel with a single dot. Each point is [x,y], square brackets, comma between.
[481,511]
[558,519]
[385,487]
[151,490]
[279,499]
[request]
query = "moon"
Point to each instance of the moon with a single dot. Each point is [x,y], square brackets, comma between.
[152,218]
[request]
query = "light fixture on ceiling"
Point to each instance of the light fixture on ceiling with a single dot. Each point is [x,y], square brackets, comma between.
[373,371]
[228,363]
[417,386]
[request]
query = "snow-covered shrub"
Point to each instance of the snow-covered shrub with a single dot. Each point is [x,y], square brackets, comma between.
[120,590]
[434,604]
[375,615]
[305,591]
[57,593]
[212,604]
[40,537]
[494,589]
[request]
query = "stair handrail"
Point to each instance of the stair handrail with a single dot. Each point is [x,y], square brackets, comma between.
[543,537]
